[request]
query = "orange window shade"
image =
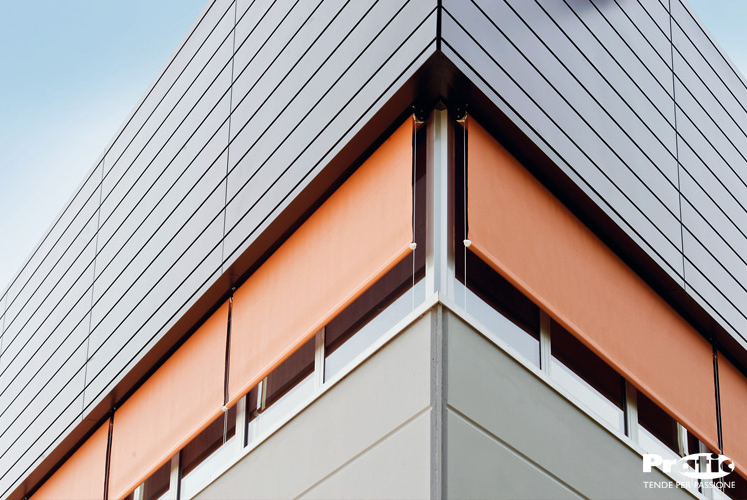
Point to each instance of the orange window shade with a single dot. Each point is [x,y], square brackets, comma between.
[522,231]
[81,477]
[733,394]
[354,237]
[175,404]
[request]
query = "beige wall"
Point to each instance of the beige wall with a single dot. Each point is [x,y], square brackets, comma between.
[510,435]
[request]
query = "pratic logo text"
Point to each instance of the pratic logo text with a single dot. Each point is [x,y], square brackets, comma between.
[696,466]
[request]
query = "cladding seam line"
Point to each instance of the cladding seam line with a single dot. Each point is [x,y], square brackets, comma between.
[228,145]
[677,148]
[93,284]
[368,109]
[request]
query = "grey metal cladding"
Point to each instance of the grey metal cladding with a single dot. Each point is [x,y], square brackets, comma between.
[214,11]
[168,244]
[49,269]
[4,301]
[595,84]
[42,383]
[142,239]
[712,120]
[610,169]
[262,94]
[302,126]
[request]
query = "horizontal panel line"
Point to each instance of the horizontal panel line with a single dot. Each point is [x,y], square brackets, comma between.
[717,50]
[686,114]
[146,244]
[302,119]
[166,93]
[129,238]
[163,97]
[173,133]
[73,240]
[158,79]
[288,73]
[100,250]
[154,285]
[516,83]
[133,282]
[568,164]
[673,156]
[43,453]
[592,96]
[650,16]
[251,233]
[617,155]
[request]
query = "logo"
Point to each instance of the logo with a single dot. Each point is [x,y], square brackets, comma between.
[696,466]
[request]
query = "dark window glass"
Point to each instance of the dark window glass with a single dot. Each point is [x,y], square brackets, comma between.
[657,422]
[290,372]
[252,406]
[588,366]
[157,484]
[368,306]
[207,441]
[740,487]
[501,295]
[394,283]
[693,444]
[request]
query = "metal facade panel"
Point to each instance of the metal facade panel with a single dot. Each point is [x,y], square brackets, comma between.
[589,81]
[61,253]
[151,233]
[189,54]
[379,52]
[712,124]
[590,113]
[579,150]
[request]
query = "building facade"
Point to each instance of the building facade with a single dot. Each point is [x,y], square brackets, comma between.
[398,249]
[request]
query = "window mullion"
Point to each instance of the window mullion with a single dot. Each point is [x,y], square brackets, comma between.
[545,341]
[631,412]
[319,359]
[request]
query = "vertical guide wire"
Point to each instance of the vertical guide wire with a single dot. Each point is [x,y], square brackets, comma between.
[464,201]
[414,198]
[227,364]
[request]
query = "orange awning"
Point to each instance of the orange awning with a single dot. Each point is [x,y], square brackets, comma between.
[177,402]
[523,232]
[81,477]
[733,395]
[356,236]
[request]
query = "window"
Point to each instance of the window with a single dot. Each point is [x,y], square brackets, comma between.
[197,459]
[503,309]
[576,368]
[657,430]
[290,373]
[364,321]
[281,391]
[155,487]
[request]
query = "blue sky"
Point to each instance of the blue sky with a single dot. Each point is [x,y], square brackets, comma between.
[72,70]
[725,20]
[70,73]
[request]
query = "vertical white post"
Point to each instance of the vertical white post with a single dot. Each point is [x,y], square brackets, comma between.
[682,440]
[439,258]
[174,479]
[319,359]
[545,341]
[262,394]
[241,412]
[631,411]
